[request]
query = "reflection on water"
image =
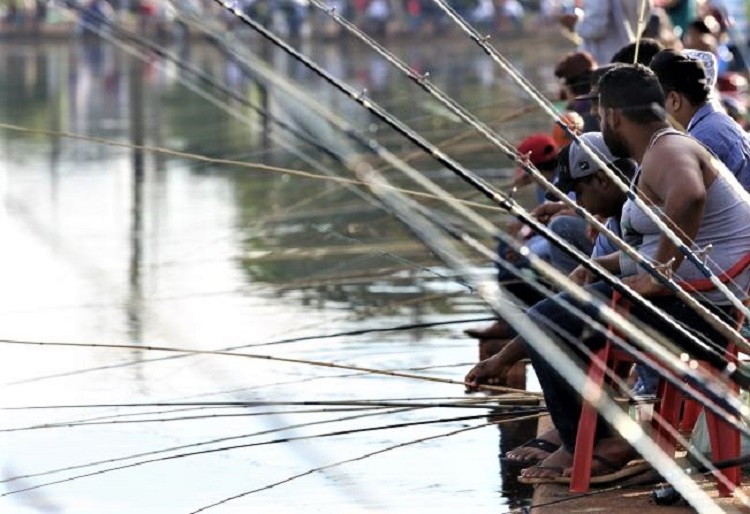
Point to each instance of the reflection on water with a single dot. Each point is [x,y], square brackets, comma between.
[110,242]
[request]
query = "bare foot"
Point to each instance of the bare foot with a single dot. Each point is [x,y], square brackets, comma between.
[610,454]
[536,451]
[555,465]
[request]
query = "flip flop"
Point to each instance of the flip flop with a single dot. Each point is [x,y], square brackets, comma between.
[543,480]
[541,444]
[618,471]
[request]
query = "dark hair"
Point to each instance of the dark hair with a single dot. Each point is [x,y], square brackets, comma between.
[647,49]
[679,73]
[635,90]
[575,68]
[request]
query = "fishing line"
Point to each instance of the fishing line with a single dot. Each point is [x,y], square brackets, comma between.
[649,211]
[462,403]
[102,420]
[210,417]
[361,457]
[226,162]
[165,450]
[248,445]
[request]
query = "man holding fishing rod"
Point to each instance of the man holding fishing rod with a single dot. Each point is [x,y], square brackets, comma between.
[702,205]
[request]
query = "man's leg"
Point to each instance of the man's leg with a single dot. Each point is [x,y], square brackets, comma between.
[564,402]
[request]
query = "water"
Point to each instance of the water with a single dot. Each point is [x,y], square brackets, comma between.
[111,245]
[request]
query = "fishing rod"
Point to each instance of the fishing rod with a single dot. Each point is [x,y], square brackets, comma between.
[339,463]
[649,211]
[271,358]
[111,419]
[249,445]
[512,206]
[288,49]
[496,297]
[512,154]
[461,403]
[143,454]
[368,104]
[667,495]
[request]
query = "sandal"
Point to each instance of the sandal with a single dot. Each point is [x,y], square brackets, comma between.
[616,472]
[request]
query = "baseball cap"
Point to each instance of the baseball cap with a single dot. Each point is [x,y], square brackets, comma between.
[541,148]
[710,65]
[575,163]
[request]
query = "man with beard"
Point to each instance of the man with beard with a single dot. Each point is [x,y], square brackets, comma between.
[703,205]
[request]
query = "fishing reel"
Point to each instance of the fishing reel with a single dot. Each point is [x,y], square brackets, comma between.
[667,495]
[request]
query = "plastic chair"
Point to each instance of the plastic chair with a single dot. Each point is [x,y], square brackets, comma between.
[675,410]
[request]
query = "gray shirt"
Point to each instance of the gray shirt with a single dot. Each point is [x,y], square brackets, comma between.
[725,225]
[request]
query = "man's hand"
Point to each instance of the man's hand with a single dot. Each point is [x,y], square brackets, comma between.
[645,285]
[582,276]
[493,371]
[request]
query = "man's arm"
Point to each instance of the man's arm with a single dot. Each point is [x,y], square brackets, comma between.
[672,173]
[671,176]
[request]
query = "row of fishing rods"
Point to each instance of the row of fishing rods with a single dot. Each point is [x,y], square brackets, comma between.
[405,210]
[369,143]
[511,210]
[421,80]
[390,120]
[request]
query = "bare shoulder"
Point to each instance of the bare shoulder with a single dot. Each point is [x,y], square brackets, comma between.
[673,162]
[672,152]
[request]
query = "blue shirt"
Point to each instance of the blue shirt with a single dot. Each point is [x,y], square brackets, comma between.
[602,245]
[725,138]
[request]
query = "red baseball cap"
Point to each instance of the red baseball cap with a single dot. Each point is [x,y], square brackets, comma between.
[541,148]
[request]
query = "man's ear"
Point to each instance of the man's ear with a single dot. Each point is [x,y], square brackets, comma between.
[614,117]
[674,101]
[602,178]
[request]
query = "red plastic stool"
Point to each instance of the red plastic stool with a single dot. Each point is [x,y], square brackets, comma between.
[674,409]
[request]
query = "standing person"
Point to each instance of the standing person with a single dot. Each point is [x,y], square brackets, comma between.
[605,26]
[687,89]
[679,177]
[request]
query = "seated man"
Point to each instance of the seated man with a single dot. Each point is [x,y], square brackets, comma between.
[595,192]
[705,207]
[685,86]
